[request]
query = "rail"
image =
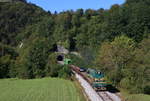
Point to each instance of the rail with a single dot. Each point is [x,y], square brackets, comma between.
[102,94]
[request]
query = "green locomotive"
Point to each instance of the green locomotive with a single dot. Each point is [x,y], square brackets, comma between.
[94,77]
[98,81]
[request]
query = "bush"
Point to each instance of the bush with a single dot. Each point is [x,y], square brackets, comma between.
[147,89]
[64,72]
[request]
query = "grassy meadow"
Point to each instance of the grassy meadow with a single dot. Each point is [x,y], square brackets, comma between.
[47,89]
[134,97]
[138,97]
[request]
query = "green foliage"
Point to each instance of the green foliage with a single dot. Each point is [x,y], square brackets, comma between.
[75,29]
[45,27]
[7,58]
[15,17]
[126,65]
[35,59]
[5,63]
[116,54]
[8,50]
[52,68]
[64,72]
[78,61]
[141,66]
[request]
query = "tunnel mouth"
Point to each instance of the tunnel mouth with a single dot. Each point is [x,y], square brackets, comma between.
[60,58]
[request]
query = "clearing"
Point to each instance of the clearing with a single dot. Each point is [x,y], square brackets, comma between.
[46,89]
[134,97]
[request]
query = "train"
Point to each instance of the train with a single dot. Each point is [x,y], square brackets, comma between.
[99,82]
[94,77]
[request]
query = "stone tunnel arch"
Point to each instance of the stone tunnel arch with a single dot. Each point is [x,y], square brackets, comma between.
[60,57]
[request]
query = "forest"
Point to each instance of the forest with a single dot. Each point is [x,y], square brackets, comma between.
[115,40]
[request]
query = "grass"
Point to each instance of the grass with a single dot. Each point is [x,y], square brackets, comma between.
[47,89]
[138,97]
[134,97]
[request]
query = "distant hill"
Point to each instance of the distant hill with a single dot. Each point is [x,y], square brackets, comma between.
[15,18]
[79,28]
[12,0]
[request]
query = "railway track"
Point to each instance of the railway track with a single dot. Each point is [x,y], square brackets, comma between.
[102,95]
[105,96]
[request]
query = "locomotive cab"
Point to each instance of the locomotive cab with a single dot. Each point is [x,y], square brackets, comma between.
[98,83]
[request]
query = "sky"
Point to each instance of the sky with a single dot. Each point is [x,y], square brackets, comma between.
[63,5]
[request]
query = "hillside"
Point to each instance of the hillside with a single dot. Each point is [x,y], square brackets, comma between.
[131,19]
[13,1]
[16,18]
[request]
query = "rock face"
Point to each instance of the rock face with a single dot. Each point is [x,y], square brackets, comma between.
[76,53]
[62,50]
